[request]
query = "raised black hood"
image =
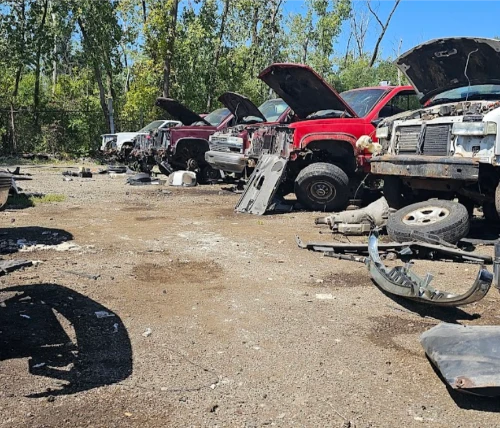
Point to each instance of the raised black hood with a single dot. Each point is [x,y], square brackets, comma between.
[440,65]
[179,111]
[240,106]
[303,89]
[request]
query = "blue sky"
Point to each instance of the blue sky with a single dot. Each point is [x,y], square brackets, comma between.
[416,21]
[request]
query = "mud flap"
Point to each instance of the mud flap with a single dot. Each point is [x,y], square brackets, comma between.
[260,191]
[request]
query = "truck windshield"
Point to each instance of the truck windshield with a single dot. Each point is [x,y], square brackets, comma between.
[362,101]
[217,116]
[273,109]
[152,126]
[474,92]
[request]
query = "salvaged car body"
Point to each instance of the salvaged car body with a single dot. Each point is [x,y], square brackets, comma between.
[324,165]
[116,142]
[451,146]
[184,147]
[229,148]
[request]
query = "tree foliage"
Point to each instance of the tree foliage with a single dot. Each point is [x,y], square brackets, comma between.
[63,63]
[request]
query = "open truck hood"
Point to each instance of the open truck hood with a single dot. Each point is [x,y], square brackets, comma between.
[240,106]
[179,111]
[303,89]
[440,65]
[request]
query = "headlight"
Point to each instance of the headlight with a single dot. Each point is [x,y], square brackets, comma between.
[474,128]
[382,133]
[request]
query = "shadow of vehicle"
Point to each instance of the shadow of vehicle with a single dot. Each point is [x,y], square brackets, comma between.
[481,229]
[36,234]
[66,336]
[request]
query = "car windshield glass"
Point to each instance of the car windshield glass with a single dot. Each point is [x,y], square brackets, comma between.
[362,100]
[152,126]
[273,109]
[465,92]
[217,116]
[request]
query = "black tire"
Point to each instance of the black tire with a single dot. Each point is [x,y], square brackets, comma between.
[208,174]
[395,193]
[497,201]
[322,187]
[450,221]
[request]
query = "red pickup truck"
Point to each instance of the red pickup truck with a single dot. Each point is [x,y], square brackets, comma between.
[323,165]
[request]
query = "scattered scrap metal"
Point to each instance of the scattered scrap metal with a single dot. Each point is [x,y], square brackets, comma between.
[400,280]
[7,266]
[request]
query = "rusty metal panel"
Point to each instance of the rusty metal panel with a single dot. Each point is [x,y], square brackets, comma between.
[466,169]
[468,357]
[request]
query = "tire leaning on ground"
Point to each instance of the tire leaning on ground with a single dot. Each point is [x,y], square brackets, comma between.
[322,187]
[446,219]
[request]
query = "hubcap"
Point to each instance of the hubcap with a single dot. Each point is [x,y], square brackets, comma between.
[323,190]
[426,215]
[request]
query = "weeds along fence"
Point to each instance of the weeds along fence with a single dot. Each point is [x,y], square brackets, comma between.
[56,131]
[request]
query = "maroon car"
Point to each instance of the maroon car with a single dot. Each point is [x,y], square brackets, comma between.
[184,147]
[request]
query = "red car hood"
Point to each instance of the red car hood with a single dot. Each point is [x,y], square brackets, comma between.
[303,89]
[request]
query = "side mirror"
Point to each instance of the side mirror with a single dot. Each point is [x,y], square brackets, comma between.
[376,122]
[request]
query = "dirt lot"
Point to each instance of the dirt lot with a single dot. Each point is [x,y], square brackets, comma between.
[209,319]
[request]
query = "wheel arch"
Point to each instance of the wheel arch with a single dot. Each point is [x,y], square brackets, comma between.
[339,148]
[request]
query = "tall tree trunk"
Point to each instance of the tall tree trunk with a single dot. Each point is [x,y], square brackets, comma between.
[144,12]
[255,36]
[218,51]
[36,95]
[97,72]
[12,124]
[54,61]
[383,28]
[167,60]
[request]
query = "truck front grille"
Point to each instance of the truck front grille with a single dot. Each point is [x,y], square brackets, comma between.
[408,139]
[436,141]
[222,144]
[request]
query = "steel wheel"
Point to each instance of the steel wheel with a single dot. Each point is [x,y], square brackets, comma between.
[426,215]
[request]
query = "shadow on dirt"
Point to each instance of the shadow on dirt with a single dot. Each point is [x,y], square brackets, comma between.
[446,314]
[31,234]
[481,229]
[66,336]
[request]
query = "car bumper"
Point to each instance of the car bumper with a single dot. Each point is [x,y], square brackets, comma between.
[229,162]
[426,167]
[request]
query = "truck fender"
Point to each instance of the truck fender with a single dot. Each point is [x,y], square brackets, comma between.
[332,136]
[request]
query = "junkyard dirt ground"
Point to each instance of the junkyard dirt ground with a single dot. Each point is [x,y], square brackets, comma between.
[245,328]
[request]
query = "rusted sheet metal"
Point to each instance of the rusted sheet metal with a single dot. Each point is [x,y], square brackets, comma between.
[466,169]
[468,357]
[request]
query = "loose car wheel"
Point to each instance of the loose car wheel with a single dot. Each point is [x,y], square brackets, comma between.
[446,219]
[322,187]
[208,174]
